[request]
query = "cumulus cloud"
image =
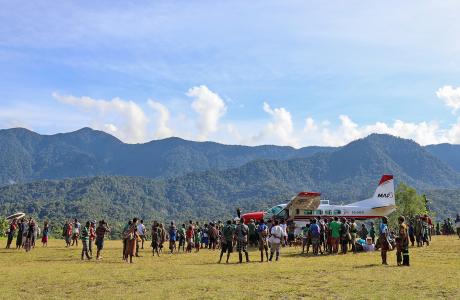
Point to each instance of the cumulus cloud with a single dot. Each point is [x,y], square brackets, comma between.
[279,130]
[450,96]
[129,120]
[162,127]
[210,108]
[424,132]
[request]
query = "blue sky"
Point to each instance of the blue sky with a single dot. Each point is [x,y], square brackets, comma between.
[283,72]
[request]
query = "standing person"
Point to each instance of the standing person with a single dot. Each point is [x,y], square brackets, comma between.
[11,232]
[189,235]
[142,233]
[372,232]
[426,230]
[291,233]
[45,234]
[226,241]
[322,235]
[172,237]
[334,226]
[363,232]
[315,235]
[132,238]
[412,233]
[283,226]
[162,237]
[277,236]
[402,243]
[205,237]
[156,237]
[101,230]
[197,238]
[21,231]
[30,235]
[36,234]
[76,232]
[418,228]
[262,231]
[92,237]
[181,233]
[126,236]
[252,233]
[242,232]
[84,240]
[328,238]
[384,235]
[353,235]
[306,238]
[344,235]
[213,236]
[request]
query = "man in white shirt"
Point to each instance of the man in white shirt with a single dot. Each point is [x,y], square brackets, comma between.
[283,226]
[141,232]
[277,235]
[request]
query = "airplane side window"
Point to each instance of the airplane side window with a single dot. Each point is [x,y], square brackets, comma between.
[337,212]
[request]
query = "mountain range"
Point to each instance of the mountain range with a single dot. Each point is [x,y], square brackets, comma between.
[89,173]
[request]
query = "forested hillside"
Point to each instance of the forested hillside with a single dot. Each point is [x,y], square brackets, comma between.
[27,156]
[348,174]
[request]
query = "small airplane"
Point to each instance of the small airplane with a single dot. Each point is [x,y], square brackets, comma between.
[307,205]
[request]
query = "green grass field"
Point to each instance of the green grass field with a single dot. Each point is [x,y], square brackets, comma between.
[58,272]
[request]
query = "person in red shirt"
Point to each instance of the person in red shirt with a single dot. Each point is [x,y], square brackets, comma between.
[190,234]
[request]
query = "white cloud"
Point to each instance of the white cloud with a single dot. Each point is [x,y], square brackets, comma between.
[450,96]
[424,132]
[209,107]
[163,116]
[279,130]
[129,122]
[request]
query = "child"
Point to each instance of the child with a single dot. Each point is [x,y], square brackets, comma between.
[45,234]
[197,239]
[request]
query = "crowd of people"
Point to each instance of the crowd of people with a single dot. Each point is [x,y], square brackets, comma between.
[27,232]
[324,236]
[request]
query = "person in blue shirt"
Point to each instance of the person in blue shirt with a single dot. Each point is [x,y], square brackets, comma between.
[315,235]
[262,232]
[172,237]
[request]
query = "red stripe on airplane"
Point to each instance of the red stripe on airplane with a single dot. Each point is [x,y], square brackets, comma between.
[385,178]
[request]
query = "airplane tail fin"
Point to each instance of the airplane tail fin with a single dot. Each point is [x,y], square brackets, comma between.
[385,192]
[384,195]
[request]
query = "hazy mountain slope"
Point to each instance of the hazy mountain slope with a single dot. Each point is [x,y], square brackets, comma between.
[448,153]
[27,156]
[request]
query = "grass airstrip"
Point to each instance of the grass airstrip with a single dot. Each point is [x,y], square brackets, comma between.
[57,272]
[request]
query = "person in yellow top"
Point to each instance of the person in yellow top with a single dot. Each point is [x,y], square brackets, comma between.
[402,243]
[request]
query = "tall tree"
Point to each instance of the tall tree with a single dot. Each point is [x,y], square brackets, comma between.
[408,203]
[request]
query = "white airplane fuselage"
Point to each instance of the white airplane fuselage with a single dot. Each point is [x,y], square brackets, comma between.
[382,203]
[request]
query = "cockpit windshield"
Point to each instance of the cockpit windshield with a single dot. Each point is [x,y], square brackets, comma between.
[275,211]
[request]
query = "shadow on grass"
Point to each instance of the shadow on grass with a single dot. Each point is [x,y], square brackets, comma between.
[367,266]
